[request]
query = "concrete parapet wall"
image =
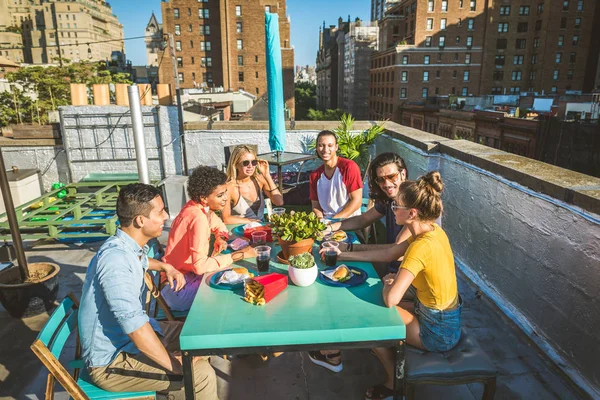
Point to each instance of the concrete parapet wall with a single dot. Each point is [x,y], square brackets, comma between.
[528,234]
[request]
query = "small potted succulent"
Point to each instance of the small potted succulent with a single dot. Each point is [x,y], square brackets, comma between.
[303,269]
[297,231]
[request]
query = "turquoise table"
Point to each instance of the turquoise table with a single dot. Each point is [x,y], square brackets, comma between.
[317,317]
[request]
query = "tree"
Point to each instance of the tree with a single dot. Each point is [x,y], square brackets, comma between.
[305,98]
[37,90]
[327,115]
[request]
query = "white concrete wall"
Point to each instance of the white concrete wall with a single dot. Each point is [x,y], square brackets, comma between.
[538,257]
[51,159]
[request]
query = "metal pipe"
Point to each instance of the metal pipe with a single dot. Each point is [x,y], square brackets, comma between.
[12,220]
[138,133]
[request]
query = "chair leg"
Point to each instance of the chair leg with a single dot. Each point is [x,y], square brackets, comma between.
[489,389]
[409,391]
[50,387]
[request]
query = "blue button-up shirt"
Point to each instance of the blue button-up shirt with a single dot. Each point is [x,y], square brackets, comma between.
[112,300]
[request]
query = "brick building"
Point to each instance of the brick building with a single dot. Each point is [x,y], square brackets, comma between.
[432,48]
[222,45]
[330,65]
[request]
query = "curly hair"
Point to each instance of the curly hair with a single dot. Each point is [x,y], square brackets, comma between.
[380,161]
[203,181]
[134,200]
[424,195]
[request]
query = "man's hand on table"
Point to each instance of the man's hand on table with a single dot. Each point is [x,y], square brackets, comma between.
[175,278]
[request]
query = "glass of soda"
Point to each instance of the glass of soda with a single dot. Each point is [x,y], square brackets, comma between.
[259,238]
[263,257]
[331,253]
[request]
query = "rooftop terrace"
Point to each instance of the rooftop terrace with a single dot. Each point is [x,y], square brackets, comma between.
[526,237]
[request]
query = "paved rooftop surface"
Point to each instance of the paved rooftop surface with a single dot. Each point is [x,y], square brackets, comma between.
[524,372]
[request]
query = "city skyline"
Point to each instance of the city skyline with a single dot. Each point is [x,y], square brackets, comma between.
[134,16]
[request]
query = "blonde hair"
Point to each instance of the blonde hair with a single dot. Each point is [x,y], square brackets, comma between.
[236,155]
[424,195]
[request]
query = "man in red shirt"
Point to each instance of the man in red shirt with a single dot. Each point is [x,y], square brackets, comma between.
[336,186]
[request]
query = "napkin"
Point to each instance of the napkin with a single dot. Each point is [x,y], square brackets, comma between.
[252,225]
[239,244]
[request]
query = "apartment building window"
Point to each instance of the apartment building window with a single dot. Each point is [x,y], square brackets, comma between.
[180,76]
[256,59]
[404,60]
[554,89]
[240,44]
[565,5]
[442,41]
[413,8]
[179,62]
[580,5]
[472,5]
[524,10]
[453,90]
[427,41]
[443,23]
[424,92]
[189,12]
[572,57]
[561,41]
[496,90]
[207,77]
[534,58]
[518,60]
[177,30]
[241,76]
[468,58]
[466,75]
[499,60]
[470,24]
[444,5]
[520,43]
[429,24]
[577,23]
[430,5]
[203,13]
[459,22]
[515,89]
[190,28]
[522,27]
[240,60]
[538,25]
[238,27]
[516,75]
[555,75]
[425,76]
[205,29]
[403,93]
[501,43]
[455,57]
[209,61]
[498,75]
[540,8]
[205,46]
[193,60]
[426,60]
[458,40]
[437,74]
[178,45]
[558,58]
[536,42]
[202,1]
[268,9]
[454,74]
[469,41]
[175,13]
[532,76]
[504,10]
[575,40]
[238,11]
[503,27]
[570,74]
[404,76]
[465,91]
[191,44]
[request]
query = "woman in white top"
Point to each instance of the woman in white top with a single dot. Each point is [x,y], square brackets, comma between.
[247,179]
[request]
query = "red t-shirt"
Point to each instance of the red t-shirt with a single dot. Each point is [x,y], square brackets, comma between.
[333,193]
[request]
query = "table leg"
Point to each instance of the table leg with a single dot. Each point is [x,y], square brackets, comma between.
[188,375]
[399,378]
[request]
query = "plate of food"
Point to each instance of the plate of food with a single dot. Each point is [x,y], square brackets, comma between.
[230,279]
[339,236]
[343,276]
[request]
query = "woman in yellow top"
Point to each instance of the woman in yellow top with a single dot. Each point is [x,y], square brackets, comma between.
[432,319]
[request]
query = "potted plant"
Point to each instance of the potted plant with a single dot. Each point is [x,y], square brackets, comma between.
[296,231]
[303,269]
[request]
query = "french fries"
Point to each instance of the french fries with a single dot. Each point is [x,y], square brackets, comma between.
[254,292]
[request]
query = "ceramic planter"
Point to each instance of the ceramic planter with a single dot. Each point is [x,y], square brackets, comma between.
[294,248]
[303,277]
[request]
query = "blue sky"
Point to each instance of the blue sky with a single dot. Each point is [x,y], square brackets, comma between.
[306,17]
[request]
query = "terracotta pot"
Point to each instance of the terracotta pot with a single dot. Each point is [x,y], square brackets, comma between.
[295,248]
[30,298]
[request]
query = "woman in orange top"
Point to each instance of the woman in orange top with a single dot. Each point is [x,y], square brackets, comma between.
[188,248]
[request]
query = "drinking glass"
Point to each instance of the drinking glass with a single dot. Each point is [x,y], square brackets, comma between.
[263,257]
[259,238]
[278,210]
[331,253]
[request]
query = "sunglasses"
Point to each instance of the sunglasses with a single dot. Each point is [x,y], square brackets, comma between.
[247,163]
[390,177]
[395,206]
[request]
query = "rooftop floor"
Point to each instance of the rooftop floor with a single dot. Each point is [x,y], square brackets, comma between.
[524,372]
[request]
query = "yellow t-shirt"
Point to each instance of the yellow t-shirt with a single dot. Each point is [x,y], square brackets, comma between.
[429,258]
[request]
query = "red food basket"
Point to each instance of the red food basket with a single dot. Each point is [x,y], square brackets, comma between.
[248,232]
[273,283]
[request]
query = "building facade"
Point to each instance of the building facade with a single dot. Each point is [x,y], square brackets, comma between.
[431,48]
[51,29]
[379,7]
[222,45]
[154,41]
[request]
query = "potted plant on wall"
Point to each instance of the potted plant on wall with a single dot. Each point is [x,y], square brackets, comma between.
[296,231]
[303,269]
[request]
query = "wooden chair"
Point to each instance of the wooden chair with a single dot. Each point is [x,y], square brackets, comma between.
[48,347]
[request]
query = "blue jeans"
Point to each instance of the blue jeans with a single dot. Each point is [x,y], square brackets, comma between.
[440,330]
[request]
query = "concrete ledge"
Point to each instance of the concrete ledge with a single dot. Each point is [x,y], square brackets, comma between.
[422,140]
[8,142]
[264,125]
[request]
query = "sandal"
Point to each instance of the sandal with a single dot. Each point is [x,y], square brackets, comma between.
[379,392]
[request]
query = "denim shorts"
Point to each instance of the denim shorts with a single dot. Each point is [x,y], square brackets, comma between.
[440,330]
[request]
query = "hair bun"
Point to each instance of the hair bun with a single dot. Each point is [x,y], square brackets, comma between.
[433,179]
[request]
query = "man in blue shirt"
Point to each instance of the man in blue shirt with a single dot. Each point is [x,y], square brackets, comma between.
[124,349]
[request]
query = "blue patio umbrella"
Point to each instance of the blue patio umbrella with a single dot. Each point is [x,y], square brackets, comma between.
[274,84]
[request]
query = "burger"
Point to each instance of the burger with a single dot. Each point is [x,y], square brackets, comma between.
[339,236]
[341,273]
[243,271]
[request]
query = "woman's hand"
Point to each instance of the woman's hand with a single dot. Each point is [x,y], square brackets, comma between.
[263,167]
[220,246]
[389,279]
